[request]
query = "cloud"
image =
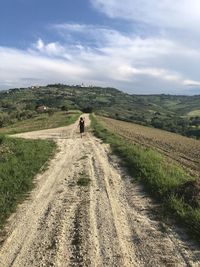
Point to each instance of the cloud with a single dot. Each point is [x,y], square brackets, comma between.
[153,72]
[158,57]
[191,83]
[103,57]
[166,13]
[91,35]
[51,49]
[21,68]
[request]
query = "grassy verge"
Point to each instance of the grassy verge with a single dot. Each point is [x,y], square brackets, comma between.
[162,179]
[42,121]
[20,161]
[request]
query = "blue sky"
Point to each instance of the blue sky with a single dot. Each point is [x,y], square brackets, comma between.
[138,46]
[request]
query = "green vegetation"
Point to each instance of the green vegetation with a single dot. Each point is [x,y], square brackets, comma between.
[165,181]
[42,121]
[84,180]
[20,161]
[161,111]
[194,113]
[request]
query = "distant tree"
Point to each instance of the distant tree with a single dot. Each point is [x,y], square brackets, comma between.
[64,108]
[195,121]
[195,133]
[87,110]
[157,122]
[30,106]
[4,119]
[50,112]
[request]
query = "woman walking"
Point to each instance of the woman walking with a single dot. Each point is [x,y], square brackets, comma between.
[82,126]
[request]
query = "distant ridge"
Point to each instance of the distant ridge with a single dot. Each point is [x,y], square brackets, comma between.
[176,113]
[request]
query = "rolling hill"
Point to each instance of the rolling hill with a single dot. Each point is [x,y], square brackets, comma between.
[180,114]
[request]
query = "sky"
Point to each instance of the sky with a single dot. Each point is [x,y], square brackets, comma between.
[138,46]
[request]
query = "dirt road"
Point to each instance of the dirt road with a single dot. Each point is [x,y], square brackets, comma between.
[110,222]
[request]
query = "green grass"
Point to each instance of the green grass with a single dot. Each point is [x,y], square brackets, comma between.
[194,113]
[83,181]
[161,179]
[42,121]
[20,161]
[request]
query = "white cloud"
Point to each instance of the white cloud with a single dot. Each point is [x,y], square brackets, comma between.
[19,68]
[153,72]
[163,59]
[132,63]
[51,49]
[191,83]
[165,13]
[39,45]
[91,34]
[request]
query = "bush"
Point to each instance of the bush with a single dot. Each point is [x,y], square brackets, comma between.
[50,112]
[87,110]
[2,139]
[64,108]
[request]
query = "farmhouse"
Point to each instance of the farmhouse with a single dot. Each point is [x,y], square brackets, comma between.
[41,109]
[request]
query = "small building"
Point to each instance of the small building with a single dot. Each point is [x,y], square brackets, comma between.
[41,109]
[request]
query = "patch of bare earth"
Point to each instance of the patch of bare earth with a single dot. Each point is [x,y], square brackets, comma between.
[109,222]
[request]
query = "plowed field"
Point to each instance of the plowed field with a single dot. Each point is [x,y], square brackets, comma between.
[185,151]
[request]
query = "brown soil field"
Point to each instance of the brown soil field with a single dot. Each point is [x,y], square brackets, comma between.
[184,150]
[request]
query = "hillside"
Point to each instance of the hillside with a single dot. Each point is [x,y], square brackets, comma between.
[179,114]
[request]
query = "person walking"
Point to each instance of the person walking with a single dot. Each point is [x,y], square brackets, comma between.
[82,126]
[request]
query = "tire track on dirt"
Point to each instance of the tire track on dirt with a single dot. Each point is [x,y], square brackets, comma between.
[112,226]
[136,235]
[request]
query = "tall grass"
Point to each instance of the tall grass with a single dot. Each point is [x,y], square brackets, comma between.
[161,178]
[20,161]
